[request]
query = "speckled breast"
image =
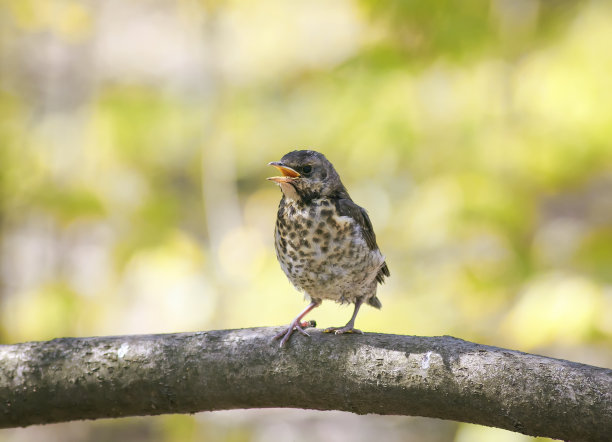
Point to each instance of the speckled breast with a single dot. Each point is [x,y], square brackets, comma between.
[324,254]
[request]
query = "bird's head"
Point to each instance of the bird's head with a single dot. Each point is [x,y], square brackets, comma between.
[307,175]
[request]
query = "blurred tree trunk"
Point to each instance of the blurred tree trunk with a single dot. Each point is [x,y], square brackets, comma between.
[443,377]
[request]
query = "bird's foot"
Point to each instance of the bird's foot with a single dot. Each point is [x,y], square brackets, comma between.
[343,330]
[295,325]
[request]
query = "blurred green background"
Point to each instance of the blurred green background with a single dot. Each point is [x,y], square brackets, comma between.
[134,138]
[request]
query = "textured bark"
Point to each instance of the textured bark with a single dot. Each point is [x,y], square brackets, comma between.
[443,377]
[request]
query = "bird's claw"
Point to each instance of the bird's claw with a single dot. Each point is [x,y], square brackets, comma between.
[299,326]
[343,330]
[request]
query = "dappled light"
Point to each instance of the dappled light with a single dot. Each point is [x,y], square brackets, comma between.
[135,138]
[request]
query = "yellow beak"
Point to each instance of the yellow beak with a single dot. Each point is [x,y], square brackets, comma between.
[288,173]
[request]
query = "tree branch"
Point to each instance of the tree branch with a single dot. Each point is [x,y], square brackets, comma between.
[443,377]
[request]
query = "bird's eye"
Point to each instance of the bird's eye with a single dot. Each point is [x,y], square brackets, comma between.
[307,169]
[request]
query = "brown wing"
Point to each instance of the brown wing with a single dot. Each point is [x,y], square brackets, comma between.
[347,207]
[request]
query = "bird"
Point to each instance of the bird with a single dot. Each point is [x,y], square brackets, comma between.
[324,242]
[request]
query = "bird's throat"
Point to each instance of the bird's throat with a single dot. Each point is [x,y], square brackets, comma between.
[289,191]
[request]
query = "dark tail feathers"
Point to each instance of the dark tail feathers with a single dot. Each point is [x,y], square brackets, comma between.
[375,302]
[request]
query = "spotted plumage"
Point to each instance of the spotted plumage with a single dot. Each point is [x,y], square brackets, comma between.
[324,242]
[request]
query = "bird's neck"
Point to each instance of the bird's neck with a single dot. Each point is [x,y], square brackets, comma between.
[290,192]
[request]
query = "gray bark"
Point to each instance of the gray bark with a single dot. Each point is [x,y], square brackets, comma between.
[442,377]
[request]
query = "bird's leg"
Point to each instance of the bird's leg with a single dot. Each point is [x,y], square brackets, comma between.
[350,326]
[297,325]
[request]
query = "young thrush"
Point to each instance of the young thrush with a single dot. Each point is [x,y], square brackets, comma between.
[324,242]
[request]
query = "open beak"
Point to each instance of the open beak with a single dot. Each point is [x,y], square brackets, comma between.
[289,174]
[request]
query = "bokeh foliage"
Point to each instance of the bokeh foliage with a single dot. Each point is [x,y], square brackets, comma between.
[134,138]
